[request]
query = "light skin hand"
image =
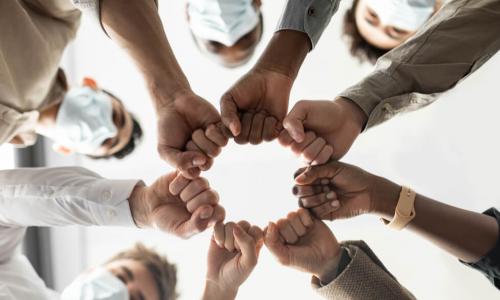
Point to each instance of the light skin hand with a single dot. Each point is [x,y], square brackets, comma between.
[180,112]
[232,256]
[254,107]
[303,242]
[337,122]
[313,149]
[176,205]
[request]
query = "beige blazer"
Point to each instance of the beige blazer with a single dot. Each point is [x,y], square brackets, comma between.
[364,278]
[33,36]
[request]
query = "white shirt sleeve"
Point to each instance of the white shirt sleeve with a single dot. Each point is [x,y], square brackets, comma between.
[59,197]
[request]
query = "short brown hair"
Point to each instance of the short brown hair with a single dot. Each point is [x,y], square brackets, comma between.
[164,273]
[358,46]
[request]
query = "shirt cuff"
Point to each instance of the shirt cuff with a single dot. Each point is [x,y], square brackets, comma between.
[109,202]
[310,17]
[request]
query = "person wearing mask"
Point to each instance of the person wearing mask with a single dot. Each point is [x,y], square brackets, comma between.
[75,196]
[349,270]
[28,78]
[444,51]
[373,28]
[337,190]
[226,31]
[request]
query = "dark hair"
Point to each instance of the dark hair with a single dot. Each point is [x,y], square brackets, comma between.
[164,273]
[358,46]
[135,136]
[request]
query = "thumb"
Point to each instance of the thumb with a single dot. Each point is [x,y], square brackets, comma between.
[229,114]
[293,122]
[311,174]
[247,245]
[183,160]
[276,244]
[198,222]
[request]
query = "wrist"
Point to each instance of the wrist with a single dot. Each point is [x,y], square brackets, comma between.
[357,115]
[213,291]
[328,270]
[138,207]
[278,58]
[385,197]
[165,94]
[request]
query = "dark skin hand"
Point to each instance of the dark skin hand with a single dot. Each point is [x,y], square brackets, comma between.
[464,234]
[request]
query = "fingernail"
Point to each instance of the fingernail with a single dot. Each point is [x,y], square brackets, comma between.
[199,161]
[206,214]
[301,177]
[330,195]
[335,204]
[295,190]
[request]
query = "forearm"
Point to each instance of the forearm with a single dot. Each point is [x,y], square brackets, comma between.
[285,53]
[464,234]
[214,292]
[136,26]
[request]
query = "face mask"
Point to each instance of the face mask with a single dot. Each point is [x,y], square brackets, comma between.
[223,21]
[84,120]
[98,285]
[407,15]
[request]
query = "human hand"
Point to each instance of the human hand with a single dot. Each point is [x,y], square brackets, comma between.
[338,123]
[255,106]
[232,256]
[189,118]
[176,205]
[337,190]
[304,243]
[313,149]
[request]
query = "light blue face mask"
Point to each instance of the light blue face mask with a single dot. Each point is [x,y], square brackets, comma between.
[223,21]
[98,285]
[84,120]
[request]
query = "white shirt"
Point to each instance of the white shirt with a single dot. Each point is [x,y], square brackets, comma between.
[52,197]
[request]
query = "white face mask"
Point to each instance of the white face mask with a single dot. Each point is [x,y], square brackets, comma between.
[100,284]
[223,21]
[407,15]
[84,120]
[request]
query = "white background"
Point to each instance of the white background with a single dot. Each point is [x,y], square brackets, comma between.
[448,151]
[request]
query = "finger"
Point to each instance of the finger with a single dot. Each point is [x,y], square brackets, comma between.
[197,223]
[305,217]
[255,136]
[191,146]
[246,125]
[324,156]
[247,246]
[270,131]
[276,245]
[296,223]
[219,234]
[317,200]
[309,190]
[218,216]
[183,161]
[297,148]
[287,232]
[313,150]
[178,184]
[285,139]
[325,210]
[205,144]
[194,188]
[257,234]
[311,174]
[229,114]
[244,225]
[293,123]
[216,135]
[229,237]
[208,197]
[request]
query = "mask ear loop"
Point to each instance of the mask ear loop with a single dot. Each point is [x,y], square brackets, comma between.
[91,83]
